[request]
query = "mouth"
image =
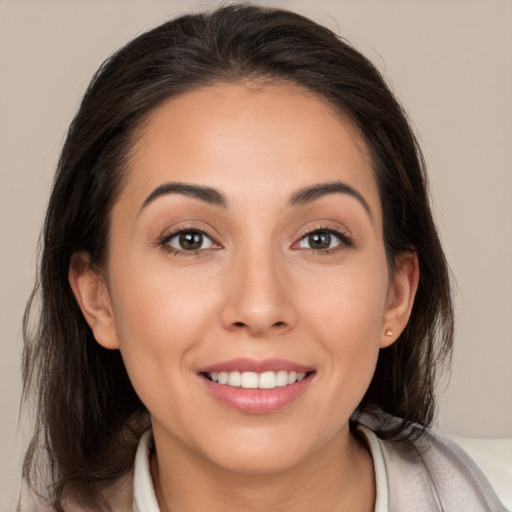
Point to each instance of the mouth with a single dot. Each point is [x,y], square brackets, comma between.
[257,387]
[254,380]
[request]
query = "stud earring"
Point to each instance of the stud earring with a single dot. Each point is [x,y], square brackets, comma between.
[389,332]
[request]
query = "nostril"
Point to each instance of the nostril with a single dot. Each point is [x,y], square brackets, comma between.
[243,325]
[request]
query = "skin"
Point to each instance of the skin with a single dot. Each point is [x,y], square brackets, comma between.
[257,291]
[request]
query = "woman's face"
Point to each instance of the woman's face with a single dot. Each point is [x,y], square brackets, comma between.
[246,245]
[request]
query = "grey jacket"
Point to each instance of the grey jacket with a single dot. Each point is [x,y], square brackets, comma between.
[433,474]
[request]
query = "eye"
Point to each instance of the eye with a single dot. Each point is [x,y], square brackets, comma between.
[323,240]
[188,241]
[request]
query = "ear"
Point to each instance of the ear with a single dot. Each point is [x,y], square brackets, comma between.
[92,295]
[401,293]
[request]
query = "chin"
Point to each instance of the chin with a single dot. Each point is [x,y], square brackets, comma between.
[265,452]
[259,462]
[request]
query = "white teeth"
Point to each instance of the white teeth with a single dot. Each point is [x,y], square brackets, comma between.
[234,379]
[267,380]
[250,380]
[253,380]
[292,377]
[282,378]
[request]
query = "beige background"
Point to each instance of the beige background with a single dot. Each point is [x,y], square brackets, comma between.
[449,62]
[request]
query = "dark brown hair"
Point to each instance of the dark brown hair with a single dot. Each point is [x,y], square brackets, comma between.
[89,418]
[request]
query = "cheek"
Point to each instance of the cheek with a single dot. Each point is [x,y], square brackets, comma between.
[157,305]
[160,317]
[350,302]
[347,320]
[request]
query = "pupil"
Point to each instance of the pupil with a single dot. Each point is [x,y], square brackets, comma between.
[320,240]
[191,241]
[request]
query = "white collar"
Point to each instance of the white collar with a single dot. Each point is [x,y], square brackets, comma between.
[144,499]
[381,477]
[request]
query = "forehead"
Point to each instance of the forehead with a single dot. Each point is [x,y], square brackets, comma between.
[236,137]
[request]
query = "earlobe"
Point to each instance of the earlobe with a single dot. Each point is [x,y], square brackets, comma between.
[402,291]
[92,296]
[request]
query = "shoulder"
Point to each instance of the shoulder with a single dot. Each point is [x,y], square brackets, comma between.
[494,458]
[431,472]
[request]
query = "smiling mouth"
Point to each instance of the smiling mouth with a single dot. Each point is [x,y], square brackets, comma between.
[252,386]
[254,380]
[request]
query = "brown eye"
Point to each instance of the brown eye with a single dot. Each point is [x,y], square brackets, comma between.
[324,239]
[319,240]
[190,241]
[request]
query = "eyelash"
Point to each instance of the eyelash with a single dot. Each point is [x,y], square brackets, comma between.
[345,241]
[164,241]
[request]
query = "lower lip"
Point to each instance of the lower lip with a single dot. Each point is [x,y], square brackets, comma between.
[257,401]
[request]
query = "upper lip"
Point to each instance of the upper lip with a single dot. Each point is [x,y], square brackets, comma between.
[244,364]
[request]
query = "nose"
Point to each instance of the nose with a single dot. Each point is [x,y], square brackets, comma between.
[259,296]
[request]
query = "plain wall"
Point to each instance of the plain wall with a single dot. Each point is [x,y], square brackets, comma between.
[449,62]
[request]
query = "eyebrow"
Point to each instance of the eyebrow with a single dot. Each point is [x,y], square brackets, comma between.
[307,195]
[206,194]
[212,196]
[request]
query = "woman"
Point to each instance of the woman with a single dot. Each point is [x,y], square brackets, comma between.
[242,283]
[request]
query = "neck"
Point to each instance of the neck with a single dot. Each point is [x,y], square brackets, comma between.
[338,477]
